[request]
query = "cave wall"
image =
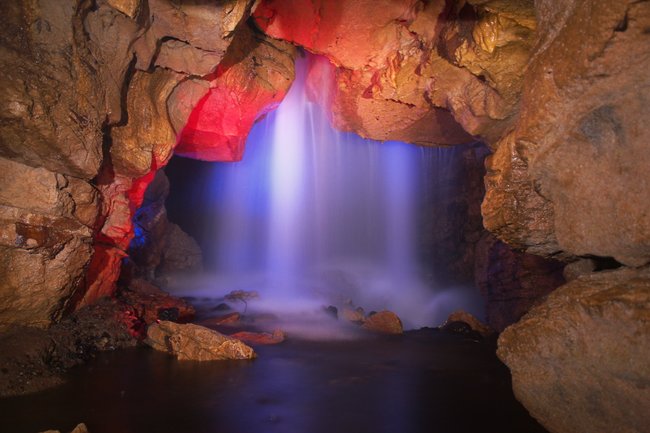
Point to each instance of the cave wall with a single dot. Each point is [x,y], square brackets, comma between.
[99,94]
[96,97]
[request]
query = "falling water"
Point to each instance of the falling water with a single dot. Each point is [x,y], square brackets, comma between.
[313,216]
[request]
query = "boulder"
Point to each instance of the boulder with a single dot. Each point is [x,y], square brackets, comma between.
[579,361]
[195,343]
[383,322]
[469,319]
[353,315]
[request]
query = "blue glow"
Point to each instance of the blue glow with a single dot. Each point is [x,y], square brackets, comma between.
[311,213]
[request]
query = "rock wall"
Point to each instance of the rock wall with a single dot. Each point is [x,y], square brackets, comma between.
[579,361]
[96,96]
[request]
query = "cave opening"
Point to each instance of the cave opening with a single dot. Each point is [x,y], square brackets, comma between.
[313,217]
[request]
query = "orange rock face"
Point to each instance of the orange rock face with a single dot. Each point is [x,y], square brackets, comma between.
[572,176]
[392,81]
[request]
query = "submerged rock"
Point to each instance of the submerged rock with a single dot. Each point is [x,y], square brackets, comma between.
[195,343]
[579,361]
[260,337]
[383,322]
[470,320]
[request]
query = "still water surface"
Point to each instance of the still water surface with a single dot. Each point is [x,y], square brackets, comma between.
[425,381]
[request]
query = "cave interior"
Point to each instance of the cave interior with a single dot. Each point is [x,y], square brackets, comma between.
[238,215]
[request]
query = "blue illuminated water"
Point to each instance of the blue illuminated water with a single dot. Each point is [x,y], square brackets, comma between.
[312,216]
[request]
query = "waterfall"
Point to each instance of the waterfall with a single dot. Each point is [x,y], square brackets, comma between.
[313,216]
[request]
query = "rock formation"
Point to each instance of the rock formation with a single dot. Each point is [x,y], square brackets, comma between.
[95,97]
[579,361]
[98,95]
[195,343]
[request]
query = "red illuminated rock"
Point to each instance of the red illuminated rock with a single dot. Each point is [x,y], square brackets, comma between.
[251,80]
[226,319]
[383,322]
[151,303]
[195,343]
[579,361]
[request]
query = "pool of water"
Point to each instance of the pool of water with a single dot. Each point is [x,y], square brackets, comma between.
[424,381]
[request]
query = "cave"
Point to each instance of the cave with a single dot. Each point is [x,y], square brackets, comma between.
[293,215]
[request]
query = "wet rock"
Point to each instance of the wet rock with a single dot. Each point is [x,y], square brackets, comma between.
[579,361]
[352,315]
[251,80]
[182,57]
[152,304]
[196,343]
[469,319]
[383,322]
[260,338]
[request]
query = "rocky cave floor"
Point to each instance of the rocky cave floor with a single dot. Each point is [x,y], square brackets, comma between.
[446,380]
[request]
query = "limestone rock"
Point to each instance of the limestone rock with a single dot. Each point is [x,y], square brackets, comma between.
[205,25]
[196,343]
[251,80]
[52,109]
[391,83]
[579,361]
[557,182]
[46,224]
[182,57]
[383,322]
[146,142]
[111,37]
[475,324]
[130,8]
